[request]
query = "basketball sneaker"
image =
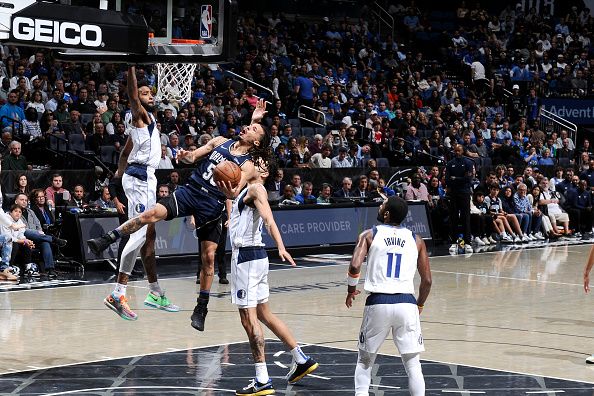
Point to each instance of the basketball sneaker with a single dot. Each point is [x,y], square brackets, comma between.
[198,318]
[97,245]
[299,371]
[590,359]
[256,388]
[120,306]
[154,300]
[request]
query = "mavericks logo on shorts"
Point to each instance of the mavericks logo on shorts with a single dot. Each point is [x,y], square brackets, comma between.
[139,208]
[361,338]
[241,294]
[420,339]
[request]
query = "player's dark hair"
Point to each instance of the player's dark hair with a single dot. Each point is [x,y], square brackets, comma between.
[398,209]
[262,152]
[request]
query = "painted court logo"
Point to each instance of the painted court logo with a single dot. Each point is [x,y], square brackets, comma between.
[139,208]
[241,294]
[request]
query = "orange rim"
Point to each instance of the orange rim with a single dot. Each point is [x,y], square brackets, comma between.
[186,41]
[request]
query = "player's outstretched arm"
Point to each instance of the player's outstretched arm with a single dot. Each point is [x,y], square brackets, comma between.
[363,244]
[259,196]
[588,269]
[189,157]
[425,272]
[138,112]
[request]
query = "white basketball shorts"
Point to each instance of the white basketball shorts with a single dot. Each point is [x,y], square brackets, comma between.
[402,319]
[142,195]
[249,276]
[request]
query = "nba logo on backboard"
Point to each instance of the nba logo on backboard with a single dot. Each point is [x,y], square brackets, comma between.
[206,21]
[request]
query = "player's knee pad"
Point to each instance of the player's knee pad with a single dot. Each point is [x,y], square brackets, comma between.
[366,359]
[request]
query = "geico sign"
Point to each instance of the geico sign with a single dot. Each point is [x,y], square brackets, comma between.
[68,33]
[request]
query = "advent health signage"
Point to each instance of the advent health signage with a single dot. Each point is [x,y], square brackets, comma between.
[578,111]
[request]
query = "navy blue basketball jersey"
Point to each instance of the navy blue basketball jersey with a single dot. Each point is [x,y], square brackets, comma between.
[202,175]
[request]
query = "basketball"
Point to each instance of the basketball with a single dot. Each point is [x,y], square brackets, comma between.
[227,171]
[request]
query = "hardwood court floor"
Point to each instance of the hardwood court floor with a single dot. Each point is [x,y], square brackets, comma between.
[520,311]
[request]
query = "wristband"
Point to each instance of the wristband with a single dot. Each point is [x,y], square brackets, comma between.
[420,306]
[353,279]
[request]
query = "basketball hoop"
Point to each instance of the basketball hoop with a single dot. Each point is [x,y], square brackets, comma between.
[174,82]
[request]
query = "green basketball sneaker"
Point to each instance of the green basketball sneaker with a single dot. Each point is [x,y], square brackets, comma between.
[154,300]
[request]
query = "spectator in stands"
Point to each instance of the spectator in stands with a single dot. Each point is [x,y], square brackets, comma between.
[78,197]
[11,111]
[546,159]
[41,209]
[323,159]
[162,191]
[304,88]
[345,190]
[341,161]
[15,161]
[578,204]
[99,138]
[16,249]
[173,181]
[84,104]
[325,196]
[21,184]
[288,197]
[35,233]
[73,125]
[275,185]
[416,191]
[362,189]
[55,188]
[173,147]
[101,102]
[104,201]
[165,162]
[52,104]
[521,217]
[110,127]
[306,194]
[119,137]
[550,200]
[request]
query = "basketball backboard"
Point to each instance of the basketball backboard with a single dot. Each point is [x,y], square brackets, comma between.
[182,31]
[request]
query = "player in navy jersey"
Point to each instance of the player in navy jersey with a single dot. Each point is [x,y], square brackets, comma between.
[202,199]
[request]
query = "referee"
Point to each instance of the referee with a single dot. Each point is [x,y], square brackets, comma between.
[458,178]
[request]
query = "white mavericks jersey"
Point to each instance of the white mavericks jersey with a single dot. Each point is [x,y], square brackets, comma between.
[147,142]
[391,261]
[245,224]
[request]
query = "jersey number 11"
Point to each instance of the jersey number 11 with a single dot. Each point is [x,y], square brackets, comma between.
[394,270]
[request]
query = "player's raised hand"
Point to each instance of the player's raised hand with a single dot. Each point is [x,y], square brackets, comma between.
[260,111]
[228,189]
[183,156]
[351,297]
[285,256]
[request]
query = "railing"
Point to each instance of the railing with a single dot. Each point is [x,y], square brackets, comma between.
[506,95]
[248,81]
[551,122]
[302,117]
[380,14]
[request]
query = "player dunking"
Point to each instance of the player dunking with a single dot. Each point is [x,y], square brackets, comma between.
[394,254]
[140,157]
[587,269]
[201,198]
[249,274]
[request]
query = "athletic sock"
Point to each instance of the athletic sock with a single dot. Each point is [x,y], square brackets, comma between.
[203,297]
[261,373]
[119,290]
[298,356]
[156,288]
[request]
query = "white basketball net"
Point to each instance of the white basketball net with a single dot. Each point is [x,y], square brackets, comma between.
[174,82]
